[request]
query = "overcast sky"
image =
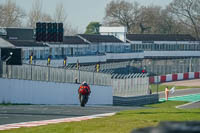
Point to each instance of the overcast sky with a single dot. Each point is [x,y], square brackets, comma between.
[81,12]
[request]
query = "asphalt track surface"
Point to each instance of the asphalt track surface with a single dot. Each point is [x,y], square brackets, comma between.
[25,113]
[194,105]
[182,93]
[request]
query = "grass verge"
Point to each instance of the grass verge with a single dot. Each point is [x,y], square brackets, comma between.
[162,87]
[122,122]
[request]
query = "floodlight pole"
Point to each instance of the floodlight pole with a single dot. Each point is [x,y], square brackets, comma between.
[5,62]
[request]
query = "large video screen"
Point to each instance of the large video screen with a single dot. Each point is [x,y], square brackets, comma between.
[12,56]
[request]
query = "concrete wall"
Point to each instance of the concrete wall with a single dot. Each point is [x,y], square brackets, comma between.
[36,92]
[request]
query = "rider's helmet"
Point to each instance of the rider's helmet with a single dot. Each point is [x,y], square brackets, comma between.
[84,83]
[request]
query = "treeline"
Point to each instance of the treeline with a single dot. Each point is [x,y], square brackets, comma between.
[13,15]
[179,17]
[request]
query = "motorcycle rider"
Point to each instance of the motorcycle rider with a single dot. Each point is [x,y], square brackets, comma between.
[84,89]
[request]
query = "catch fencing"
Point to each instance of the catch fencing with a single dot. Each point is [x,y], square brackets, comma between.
[168,66]
[123,85]
[130,85]
[152,66]
[103,66]
[51,74]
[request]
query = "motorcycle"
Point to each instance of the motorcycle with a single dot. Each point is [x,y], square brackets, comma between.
[83,100]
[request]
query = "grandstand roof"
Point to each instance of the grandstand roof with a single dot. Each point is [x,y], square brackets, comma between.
[160,37]
[19,33]
[73,40]
[4,43]
[100,38]
[25,43]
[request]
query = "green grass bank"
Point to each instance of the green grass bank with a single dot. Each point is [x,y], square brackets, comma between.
[122,122]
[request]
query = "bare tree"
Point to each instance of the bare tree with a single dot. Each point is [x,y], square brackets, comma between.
[11,14]
[169,25]
[154,19]
[150,18]
[36,14]
[188,13]
[60,15]
[70,30]
[1,16]
[122,13]
[46,18]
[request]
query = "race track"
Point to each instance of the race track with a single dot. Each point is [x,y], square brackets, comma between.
[181,92]
[25,113]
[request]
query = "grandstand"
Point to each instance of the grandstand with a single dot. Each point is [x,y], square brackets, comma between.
[113,45]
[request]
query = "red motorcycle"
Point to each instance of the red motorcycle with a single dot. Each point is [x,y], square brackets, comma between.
[84,92]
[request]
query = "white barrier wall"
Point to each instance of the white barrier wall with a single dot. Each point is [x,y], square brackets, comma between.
[120,56]
[191,75]
[157,79]
[180,76]
[175,77]
[36,92]
[169,77]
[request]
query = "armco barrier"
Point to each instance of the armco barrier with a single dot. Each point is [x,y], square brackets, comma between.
[174,77]
[186,76]
[196,75]
[168,77]
[180,76]
[151,80]
[163,79]
[157,79]
[191,75]
[135,101]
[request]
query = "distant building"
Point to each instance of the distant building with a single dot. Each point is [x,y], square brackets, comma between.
[119,32]
[113,44]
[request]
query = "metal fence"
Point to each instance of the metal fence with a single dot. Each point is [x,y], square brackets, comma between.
[1,68]
[123,85]
[152,66]
[168,66]
[130,85]
[103,66]
[51,74]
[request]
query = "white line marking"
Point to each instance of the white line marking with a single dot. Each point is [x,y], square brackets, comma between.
[179,106]
[54,121]
[187,89]
[185,95]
